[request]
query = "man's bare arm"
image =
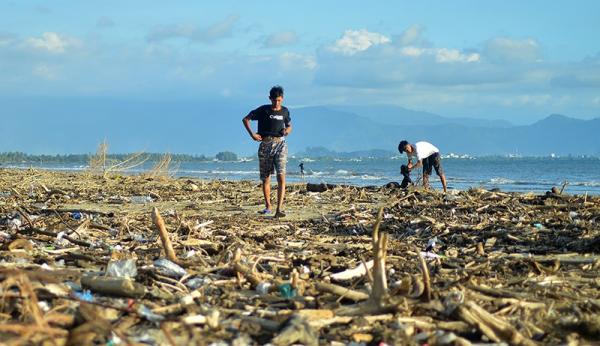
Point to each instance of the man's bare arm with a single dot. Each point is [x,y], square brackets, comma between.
[416,165]
[255,136]
[287,130]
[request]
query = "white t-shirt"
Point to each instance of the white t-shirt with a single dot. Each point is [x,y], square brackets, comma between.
[424,150]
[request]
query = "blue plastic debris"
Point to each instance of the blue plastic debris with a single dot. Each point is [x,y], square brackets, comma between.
[287,291]
[85,295]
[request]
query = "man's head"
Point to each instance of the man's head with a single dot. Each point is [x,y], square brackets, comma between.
[404,146]
[276,96]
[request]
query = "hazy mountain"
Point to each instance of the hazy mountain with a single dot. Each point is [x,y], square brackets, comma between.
[203,127]
[395,115]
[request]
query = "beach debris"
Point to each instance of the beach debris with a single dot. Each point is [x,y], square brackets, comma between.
[167,268]
[116,286]
[355,266]
[122,268]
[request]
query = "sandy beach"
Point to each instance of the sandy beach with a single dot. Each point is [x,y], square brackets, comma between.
[471,267]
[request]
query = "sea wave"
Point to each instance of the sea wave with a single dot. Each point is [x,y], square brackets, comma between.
[233,172]
[501,181]
[506,181]
[586,183]
[370,177]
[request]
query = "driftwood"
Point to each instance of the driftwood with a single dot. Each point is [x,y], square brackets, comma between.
[319,187]
[518,267]
[493,327]
[350,274]
[343,292]
[164,235]
[297,330]
[378,299]
[120,287]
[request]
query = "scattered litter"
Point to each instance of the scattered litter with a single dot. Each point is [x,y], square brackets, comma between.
[140,199]
[287,291]
[85,295]
[125,268]
[476,266]
[263,288]
[167,268]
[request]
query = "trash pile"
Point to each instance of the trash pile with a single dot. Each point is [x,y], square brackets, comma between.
[139,260]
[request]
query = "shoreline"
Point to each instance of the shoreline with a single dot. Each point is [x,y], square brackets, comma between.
[344,177]
[536,255]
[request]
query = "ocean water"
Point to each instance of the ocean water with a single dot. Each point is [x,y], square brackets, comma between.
[508,174]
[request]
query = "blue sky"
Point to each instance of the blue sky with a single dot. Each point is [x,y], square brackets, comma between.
[516,60]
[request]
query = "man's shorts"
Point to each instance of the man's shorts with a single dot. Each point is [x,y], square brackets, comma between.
[433,161]
[272,156]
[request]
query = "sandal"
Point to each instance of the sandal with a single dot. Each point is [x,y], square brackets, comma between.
[265,211]
[279,214]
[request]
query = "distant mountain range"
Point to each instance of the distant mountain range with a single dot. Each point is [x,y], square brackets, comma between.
[394,115]
[77,126]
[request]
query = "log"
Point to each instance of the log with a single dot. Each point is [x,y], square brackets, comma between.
[344,292]
[380,288]
[426,279]
[319,187]
[354,273]
[121,287]
[297,330]
[495,328]
[164,235]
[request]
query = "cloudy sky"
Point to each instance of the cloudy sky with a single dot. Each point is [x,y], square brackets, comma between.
[516,60]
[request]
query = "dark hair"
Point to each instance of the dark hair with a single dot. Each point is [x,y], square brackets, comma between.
[401,146]
[276,91]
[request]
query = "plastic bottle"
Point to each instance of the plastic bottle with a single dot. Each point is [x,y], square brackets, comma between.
[263,288]
[140,199]
[167,268]
[122,268]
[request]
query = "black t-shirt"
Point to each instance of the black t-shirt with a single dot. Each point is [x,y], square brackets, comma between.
[270,122]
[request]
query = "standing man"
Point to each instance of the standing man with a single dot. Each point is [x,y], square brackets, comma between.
[427,156]
[274,124]
[301,165]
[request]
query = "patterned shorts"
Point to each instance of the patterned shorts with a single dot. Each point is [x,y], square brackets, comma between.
[433,161]
[272,156]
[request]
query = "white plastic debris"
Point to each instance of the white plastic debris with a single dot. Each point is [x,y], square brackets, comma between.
[263,288]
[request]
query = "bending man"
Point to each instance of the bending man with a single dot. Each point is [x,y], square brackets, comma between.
[428,156]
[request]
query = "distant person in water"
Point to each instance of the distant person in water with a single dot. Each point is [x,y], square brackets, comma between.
[301,165]
[274,124]
[428,156]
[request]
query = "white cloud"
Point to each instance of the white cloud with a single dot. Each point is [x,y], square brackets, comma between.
[525,100]
[412,51]
[50,42]
[280,39]
[412,36]
[441,55]
[289,60]
[504,49]
[214,32]
[444,55]
[354,41]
